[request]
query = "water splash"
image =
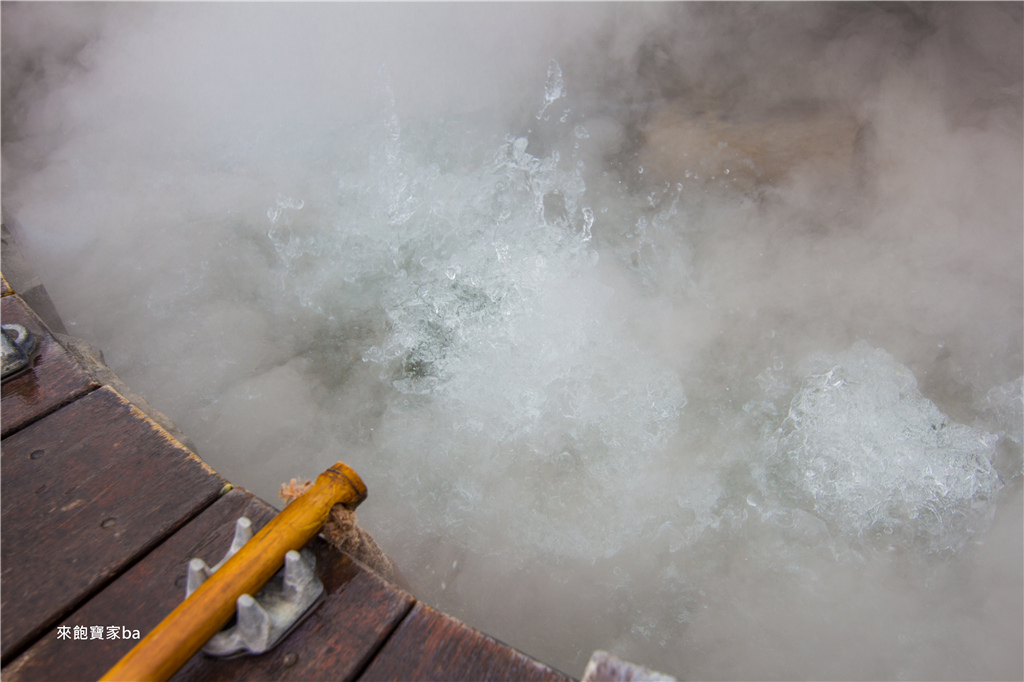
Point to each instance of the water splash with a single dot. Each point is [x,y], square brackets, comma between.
[864,451]
[499,328]
[554,89]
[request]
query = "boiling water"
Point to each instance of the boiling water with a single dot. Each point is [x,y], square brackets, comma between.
[725,425]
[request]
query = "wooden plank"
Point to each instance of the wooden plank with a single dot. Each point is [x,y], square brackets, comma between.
[185,631]
[138,599]
[334,643]
[430,645]
[84,493]
[54,380]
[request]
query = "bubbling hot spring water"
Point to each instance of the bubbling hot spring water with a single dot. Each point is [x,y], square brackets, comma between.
[686,348]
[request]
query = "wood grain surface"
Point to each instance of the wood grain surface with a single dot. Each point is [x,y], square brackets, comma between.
[138,599]
[55,378]
[430,645]
[84,493]
[334,643]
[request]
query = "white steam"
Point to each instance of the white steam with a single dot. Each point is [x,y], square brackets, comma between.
[689,331]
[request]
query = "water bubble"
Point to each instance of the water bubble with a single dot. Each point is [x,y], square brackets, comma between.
[588,222]
[553,88]
[860,446]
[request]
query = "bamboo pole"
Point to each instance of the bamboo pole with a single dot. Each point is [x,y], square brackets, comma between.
[188,627]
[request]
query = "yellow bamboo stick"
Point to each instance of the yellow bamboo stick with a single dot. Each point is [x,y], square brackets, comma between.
[188,627]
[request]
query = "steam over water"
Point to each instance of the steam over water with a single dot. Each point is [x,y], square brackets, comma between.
[692,332]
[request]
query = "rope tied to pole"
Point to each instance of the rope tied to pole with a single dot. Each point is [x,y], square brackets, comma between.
[343,533]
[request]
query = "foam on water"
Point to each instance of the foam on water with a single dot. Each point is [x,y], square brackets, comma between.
[864,451]
[498,339]
[512,386]
[598,403]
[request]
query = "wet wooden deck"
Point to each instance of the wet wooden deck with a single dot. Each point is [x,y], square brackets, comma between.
[102,510]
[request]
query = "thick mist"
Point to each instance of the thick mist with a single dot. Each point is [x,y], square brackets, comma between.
[688,331]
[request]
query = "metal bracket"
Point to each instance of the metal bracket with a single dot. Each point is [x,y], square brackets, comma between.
[261,621]
[18,348]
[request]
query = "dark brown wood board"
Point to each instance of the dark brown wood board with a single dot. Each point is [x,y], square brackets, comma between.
[84,493]
[55,378]
[138,599]
[335,642]
[359,612]
[430,645]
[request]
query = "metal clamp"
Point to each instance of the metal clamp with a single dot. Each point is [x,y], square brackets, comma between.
[261,621]
[18,348]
